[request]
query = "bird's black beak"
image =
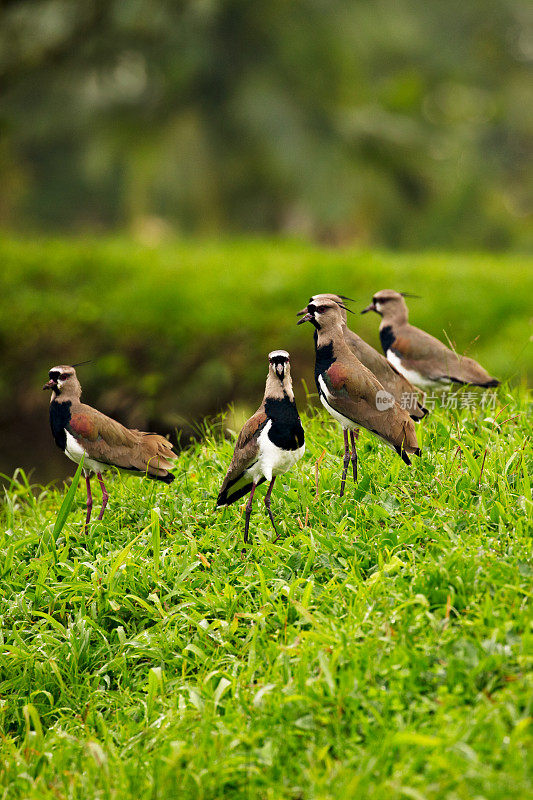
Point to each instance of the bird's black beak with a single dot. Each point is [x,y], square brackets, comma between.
[302,312]
[371,307]
[308,318]
[50,385]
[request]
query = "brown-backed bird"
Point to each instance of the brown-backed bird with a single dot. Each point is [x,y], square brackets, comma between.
[392,381]
[80,430]
[423,359]
[350,392]
[270,442]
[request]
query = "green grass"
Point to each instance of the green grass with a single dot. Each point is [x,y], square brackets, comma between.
[381,649]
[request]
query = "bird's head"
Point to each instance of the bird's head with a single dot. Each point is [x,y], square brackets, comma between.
[323,312]
[388,303]
[279,364]
[63,381]
[317,299]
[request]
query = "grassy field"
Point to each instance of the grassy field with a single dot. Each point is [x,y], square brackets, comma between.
[381,649]
[179,331]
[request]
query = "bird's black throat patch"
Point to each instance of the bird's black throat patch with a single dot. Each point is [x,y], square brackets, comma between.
[286,430]
[324,358]
[59,419]
[386,337]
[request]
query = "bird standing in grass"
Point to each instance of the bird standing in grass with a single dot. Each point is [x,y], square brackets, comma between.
[270,442]
[350,392]
[80,430]
[422,359]
[392,381]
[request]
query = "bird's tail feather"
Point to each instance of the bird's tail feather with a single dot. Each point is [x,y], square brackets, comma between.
[234,491]
[420,413]
[168,478]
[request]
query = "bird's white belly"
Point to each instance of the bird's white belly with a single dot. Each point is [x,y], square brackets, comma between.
[75,451]
[272,460]
[346,422]
[412,375]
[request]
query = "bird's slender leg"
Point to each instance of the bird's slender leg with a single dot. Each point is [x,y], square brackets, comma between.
[248,512]
[346,461]
[353,436]
[267,506]
[89,500]
[105,496]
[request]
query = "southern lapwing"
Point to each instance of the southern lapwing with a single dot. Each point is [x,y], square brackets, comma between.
[351,393]
[80,430]
[424,360]
[392,381]
[271,441]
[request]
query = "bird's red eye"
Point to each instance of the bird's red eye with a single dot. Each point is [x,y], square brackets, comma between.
[64,376]
[322,309]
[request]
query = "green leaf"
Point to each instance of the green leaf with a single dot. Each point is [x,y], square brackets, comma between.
[156,540]
[223,685]
[31,717]
[66,505]
[122,557]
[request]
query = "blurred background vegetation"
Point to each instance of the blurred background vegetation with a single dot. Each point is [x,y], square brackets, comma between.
[392,122]
[180,331]
[178,178]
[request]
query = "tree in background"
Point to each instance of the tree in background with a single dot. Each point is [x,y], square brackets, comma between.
[380,121]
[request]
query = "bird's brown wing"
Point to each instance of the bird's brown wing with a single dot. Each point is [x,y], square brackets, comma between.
[392,381]
[353,394]
[423,353]
[106,440]
[236,484]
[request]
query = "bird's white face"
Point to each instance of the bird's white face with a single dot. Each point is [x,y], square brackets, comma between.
[279,361]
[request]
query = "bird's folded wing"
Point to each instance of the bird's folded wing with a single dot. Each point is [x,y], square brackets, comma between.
[350,401]
[247,447]
[355,398]
[449,366]
[423,353]
[392,381]
[109,442]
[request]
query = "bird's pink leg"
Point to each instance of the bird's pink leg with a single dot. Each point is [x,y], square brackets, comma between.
[105,496]
[353,436]
[267,506]
[89,500]
[248,512]
[345,462]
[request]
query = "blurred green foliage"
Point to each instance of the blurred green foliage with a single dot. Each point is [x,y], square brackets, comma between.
[392,122]
[180,331]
